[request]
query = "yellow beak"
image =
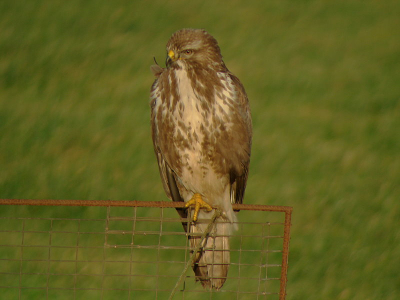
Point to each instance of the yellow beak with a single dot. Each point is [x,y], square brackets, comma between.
[171,55]
[171,58]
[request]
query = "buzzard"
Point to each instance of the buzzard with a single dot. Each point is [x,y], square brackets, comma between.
[202,132]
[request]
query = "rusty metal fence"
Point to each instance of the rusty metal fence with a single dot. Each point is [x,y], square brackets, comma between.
[71,249]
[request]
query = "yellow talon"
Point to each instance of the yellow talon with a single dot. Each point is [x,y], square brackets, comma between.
[198,203]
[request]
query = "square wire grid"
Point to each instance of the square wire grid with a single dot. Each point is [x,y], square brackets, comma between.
[132,250]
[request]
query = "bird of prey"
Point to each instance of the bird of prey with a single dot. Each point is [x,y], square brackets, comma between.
[202,133]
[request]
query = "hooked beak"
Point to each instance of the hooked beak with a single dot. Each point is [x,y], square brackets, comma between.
[171,57]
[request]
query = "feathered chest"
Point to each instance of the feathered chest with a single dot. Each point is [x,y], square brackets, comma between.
[192,115]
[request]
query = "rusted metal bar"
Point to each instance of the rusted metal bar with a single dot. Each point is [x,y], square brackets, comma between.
[285,254]
[133,203]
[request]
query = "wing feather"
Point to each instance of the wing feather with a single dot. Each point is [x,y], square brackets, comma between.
[168,176]
[238,178]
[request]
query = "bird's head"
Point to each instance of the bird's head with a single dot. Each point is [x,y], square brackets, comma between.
[193,48]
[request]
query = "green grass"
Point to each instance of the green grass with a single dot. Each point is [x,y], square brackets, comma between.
[323,81]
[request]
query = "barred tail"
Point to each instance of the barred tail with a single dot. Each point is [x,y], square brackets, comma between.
[212,261]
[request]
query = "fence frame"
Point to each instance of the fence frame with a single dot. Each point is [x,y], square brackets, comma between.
[170,204]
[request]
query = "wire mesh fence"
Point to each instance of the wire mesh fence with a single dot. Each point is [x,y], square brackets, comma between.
[67,249]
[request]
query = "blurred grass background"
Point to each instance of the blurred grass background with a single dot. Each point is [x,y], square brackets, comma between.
[323,78]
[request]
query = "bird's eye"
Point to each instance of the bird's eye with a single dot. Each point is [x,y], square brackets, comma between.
[188,51]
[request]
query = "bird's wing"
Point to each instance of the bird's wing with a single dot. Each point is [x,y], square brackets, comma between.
[168,176]
[238,177]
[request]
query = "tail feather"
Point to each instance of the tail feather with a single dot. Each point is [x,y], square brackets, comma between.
[212,261]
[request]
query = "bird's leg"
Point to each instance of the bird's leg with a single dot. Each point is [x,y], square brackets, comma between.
[197,202]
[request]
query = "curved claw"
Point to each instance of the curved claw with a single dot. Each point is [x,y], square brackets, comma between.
[197,202]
